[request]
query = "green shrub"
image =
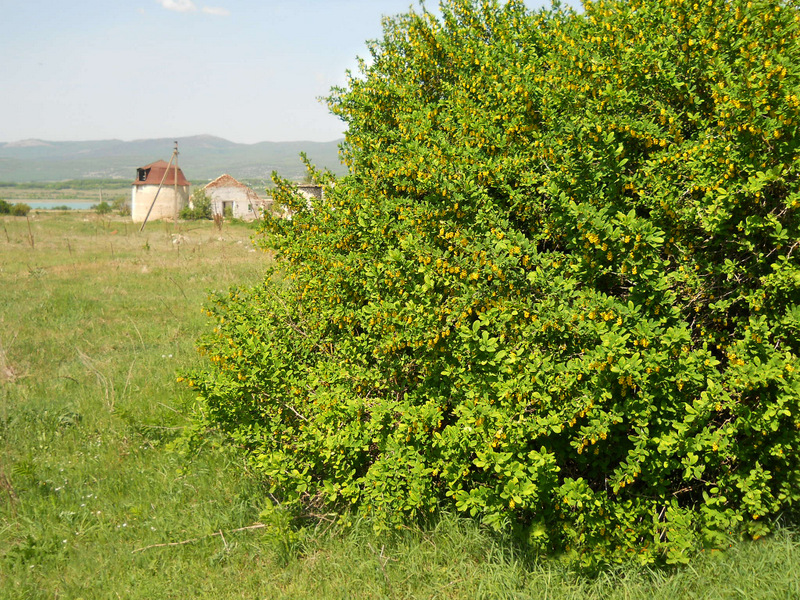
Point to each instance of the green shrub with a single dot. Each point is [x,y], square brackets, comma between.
[103,208]
[558,291]
[199,206]
[17,210]
[122,205]
[20,209]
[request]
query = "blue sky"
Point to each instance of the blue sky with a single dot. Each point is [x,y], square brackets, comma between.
[244,70]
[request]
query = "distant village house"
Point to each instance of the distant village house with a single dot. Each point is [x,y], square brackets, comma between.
[310,190]
[170,199]
[233,198]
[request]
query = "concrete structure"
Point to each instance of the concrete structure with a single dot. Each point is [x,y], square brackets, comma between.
[310,191]
[174,194]
[230,197]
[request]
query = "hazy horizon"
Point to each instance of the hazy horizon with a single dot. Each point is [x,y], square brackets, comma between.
[21,142]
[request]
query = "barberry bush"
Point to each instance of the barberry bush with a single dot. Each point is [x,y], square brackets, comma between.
[558,291]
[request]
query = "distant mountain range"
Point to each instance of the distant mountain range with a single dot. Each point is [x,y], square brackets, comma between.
[201,157]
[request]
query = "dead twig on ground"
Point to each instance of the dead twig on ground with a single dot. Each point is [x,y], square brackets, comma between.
[382,560]
[197,539]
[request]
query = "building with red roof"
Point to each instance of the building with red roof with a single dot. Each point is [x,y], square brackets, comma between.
[168,201]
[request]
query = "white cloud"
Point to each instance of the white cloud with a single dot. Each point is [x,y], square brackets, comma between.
[178,5]
[216,11]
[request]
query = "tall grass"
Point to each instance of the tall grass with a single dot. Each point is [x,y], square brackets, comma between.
[95,318]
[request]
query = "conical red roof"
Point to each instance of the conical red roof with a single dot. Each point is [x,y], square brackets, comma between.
[153,173]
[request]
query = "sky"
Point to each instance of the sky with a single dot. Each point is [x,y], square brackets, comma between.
[244,70]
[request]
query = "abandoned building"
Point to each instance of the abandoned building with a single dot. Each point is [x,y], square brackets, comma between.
[310,190]
[167,201]
[234,199]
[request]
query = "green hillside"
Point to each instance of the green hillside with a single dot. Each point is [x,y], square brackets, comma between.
[201,158]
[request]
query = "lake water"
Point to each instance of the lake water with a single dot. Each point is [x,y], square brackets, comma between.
[72,204]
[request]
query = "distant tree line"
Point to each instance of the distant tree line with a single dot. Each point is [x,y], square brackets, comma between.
[68,184]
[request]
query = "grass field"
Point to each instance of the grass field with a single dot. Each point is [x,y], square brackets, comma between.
[21,193]
[95,319]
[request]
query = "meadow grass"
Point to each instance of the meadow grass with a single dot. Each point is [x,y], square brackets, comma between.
[95,320]
[90,191]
